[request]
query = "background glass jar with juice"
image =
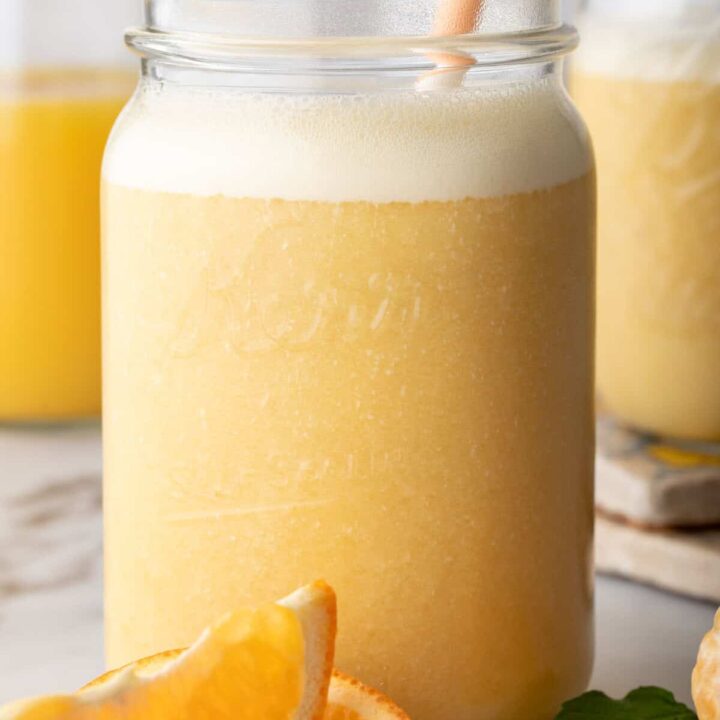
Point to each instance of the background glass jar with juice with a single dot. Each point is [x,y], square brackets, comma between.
[348,322]
[63,80]
[647,80]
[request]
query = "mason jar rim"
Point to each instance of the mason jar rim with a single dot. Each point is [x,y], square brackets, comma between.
[484,49]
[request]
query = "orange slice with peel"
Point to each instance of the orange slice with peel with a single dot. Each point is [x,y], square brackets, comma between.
[349,699]
[706,675]
[273,663]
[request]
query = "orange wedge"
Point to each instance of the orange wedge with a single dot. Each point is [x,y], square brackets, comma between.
[706,675]
[272,663]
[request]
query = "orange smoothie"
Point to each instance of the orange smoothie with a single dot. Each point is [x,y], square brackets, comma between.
[651,99]
[386,384]
[53,128]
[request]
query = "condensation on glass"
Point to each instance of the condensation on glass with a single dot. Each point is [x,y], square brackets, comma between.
[349,300]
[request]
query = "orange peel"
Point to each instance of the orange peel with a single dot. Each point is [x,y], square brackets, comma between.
[706,675]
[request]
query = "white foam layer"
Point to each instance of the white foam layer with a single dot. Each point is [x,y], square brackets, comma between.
[405,146]
[662,49]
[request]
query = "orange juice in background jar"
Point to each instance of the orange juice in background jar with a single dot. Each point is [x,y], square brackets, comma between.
[61,89]
[348,334]
[647,80]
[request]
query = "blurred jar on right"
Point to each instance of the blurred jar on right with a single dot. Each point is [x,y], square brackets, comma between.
[647,80]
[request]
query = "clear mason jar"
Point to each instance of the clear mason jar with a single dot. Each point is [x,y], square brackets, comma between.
[63,80]
[647,80]
[349,302]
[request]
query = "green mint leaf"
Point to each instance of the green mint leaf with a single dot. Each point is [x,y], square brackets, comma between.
[646,703]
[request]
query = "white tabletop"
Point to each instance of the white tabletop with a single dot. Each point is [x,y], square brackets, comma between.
[51,582]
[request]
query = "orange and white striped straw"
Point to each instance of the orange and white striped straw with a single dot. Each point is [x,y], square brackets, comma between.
[453,17]
[457,17]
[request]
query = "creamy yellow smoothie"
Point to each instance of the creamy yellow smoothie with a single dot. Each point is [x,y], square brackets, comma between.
[53,129]
[351,338]
[651,97]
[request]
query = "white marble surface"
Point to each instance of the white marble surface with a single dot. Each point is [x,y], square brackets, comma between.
[51,582]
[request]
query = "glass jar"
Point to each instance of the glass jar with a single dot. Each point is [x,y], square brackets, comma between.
[349,308]
[647,80]
[61,88]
